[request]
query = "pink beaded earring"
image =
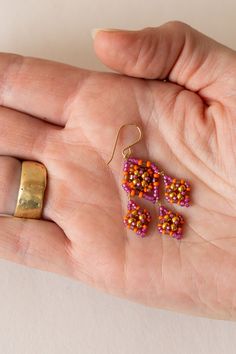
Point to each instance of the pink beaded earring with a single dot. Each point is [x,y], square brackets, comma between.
[141,179]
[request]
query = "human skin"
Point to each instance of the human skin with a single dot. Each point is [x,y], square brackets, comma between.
[67,118]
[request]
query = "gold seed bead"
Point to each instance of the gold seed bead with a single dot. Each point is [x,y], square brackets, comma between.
[181,188]
[142,217]
[175,219]
[136,181]
[131,220]
[145,174]
[139,224]
[136,173]
[144,184]
[134,212]
[166,218]
[172,195]
[165,225]
[179,196]
[173,227]
[173,187]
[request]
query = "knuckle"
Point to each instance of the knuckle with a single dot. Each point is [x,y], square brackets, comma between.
[175,25]
[11,67]
[144,54]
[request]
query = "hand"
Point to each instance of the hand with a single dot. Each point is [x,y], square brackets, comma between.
[68,119]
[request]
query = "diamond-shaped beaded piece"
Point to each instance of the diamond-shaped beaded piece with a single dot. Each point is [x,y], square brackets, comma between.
[137,219]
[177,191]
[170,223]
[141,178]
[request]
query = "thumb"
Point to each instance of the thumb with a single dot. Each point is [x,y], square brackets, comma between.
[173,51]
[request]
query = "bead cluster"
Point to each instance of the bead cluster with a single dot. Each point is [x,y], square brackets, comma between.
[137,219]
[141,178]
[177,191]
[170,223]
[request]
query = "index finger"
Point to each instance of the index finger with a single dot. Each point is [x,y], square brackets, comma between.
[38,87]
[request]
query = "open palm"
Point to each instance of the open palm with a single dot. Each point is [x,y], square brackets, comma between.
[68,119]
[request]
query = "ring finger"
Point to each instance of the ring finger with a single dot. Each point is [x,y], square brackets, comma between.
[9,183]
[21,137]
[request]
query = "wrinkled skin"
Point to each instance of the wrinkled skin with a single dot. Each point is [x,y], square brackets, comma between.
[68,119]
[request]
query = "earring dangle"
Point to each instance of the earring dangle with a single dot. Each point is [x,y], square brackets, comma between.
[141,179]
[137,219]
[177,191]
[170,223]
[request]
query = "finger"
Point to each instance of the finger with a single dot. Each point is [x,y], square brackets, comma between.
[174,51]
[34,243]
[10,173]
[39,87]
[26,137]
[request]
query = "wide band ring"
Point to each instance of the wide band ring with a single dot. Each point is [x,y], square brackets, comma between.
[31,192]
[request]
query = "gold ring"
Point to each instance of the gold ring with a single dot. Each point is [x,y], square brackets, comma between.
[31,193]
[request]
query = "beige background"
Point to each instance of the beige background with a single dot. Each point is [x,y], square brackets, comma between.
[43,313]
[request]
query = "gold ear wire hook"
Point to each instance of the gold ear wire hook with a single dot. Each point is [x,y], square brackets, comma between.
[126,151]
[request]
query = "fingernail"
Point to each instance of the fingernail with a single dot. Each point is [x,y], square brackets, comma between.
[95,31]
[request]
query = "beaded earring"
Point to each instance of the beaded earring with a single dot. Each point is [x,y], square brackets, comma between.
[141,179]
